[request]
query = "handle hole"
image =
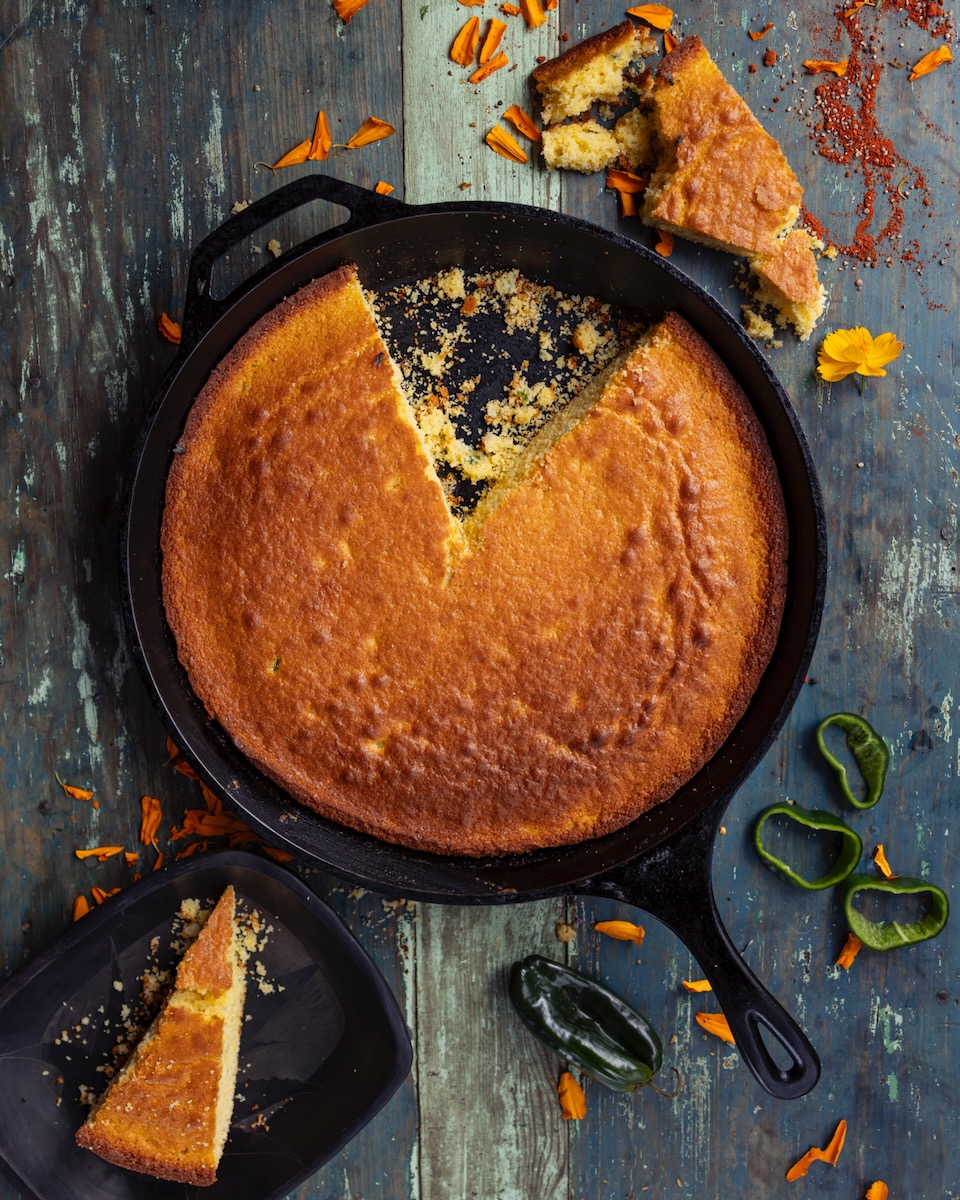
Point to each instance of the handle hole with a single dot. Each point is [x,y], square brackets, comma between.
[782,1059]
[289,229]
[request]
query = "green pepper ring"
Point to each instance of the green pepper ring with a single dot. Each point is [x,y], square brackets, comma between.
[815,819]
[869,752]
[888,935]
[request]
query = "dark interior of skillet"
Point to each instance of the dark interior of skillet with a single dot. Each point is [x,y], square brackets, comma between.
[407,244]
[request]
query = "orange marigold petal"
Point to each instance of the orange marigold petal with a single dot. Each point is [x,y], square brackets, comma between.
[877,1191]
[172,749]
[100,853]
[628,204]
[100,894]
[626,181]
[817,66]
[170,329]
[322,141]
[346,10]
[717,1024]
[76,792]
[880,859]
[665,245]
[930,62]
[150,815]
[623,931]
[697,985]
[372,130]
[670,43]
[829,1154]
[471,3]
[851,948]
[464,48]
[760,33]
[573,1103]
[510,9]
[214,803]
[292,157]
[383,188]
[657,15]
[484,72]
[276,854]
[506,145]
[492,39]
[81,906]
[532,13]
[519,119]
[183,768]
[131,857]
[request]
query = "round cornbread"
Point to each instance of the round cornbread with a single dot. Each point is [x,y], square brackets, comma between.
[541,674]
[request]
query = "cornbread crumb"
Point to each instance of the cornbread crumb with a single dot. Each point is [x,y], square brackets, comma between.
[585,147]
[450,284]
[634,134]
[757,326]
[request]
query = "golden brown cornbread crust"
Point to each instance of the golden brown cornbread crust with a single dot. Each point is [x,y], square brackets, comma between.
[585,653]
[559,68]
[160,1115]
[722,179]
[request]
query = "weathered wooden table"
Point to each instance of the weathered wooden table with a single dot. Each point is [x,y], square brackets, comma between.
[127,132]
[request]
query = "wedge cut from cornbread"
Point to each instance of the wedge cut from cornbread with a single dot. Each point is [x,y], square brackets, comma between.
[721,179]
[168,1112]
[580,146]
[787,281]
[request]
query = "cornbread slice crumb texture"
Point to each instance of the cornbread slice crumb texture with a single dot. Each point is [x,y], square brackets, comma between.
[721,179]
[787,281]
[580,146]
[540,674]
[168,1112]
[589,73]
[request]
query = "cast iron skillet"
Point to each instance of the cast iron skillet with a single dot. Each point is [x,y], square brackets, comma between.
[662,861]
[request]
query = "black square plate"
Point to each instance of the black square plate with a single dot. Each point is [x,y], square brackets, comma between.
[320,1054]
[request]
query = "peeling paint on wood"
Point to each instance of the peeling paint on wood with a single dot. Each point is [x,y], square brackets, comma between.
[129,131]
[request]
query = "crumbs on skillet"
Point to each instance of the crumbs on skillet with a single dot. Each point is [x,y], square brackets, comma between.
[486,359]
[124,1030]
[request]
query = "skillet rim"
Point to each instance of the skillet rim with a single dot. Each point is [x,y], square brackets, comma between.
[345,852]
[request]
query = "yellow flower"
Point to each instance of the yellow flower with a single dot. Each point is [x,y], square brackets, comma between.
[848,351]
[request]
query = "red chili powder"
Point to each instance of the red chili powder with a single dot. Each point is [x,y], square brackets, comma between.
[846,132]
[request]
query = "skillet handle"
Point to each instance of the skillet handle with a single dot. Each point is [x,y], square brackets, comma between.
[673,883]
[201,309]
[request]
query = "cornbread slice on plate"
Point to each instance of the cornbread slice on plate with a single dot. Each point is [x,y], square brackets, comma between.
[590,73]
[168,1112]
[721,179]
[787,281]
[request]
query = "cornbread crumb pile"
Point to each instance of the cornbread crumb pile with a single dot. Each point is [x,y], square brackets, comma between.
[716,176]
[540,348]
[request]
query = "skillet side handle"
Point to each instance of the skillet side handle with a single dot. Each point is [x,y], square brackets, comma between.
[366,207]
[673,883]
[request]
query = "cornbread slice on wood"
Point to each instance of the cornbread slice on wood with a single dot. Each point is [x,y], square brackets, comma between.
[540,674]
[634,134]
[580,146]
[168,1112]
[721,179]
[590,72]
[787,281]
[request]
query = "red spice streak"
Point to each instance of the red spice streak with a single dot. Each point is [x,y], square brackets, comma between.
[847,133]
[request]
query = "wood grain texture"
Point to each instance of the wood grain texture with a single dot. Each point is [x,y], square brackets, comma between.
[127,132]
